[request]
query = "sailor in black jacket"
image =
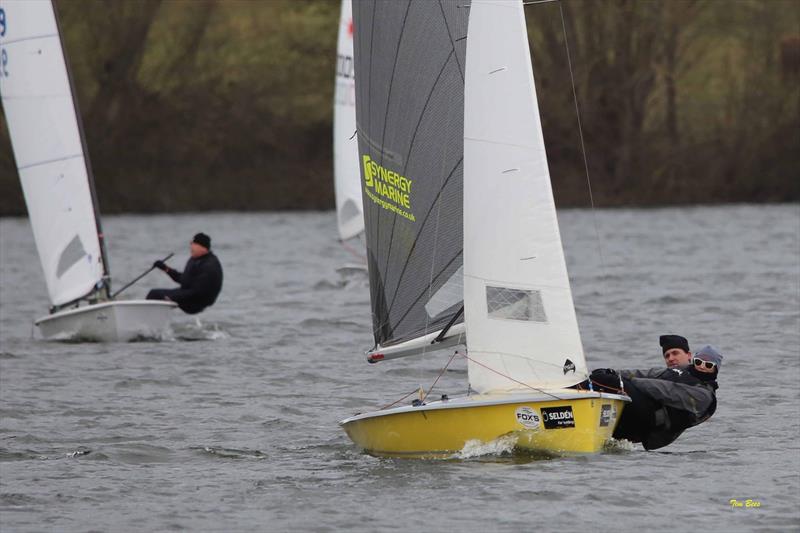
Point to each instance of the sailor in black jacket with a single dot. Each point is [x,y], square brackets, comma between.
[665,402]
[201,279]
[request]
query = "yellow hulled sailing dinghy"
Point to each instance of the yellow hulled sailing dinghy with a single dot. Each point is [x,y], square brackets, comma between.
[462,236]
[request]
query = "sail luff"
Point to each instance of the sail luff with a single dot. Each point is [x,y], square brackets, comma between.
[520,317]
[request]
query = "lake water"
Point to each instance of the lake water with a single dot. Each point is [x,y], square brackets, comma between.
[237,430]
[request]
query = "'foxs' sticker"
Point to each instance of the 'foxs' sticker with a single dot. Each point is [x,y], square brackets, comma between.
[528,417]
[558,417]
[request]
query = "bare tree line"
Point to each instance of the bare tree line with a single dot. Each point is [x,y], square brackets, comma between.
[226,105]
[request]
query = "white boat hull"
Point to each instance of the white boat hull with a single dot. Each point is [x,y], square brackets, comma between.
[119,321]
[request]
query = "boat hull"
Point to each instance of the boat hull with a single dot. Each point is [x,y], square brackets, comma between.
[116,321]
[560,422]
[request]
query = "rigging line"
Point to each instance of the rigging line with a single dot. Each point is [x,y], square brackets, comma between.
[527,359]
[435,381]
[398,401]
[583,149]
[386,115]
[509,377]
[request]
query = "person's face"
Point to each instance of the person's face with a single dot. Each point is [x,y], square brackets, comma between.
[196,250]
[703,366]
[677,358]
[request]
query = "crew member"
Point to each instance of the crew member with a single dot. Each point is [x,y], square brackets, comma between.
[664,402]
[201,279]
[676,351]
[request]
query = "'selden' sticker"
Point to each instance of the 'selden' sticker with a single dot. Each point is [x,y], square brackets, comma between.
[558,417]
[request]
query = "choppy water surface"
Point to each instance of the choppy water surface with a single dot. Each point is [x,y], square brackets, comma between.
[237,430]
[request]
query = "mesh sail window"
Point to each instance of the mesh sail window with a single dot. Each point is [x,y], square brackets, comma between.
[515,304]
[409,57]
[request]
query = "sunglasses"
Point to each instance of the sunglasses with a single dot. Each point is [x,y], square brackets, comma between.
[700,362]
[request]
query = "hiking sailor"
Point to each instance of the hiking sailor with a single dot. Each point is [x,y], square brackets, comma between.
[664,402]
[201,279]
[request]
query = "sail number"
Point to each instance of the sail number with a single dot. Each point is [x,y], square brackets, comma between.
[3,53]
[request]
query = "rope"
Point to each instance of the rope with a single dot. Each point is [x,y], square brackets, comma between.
[398,401]
[583,147]
[509,377]
[435,381]
[603,387]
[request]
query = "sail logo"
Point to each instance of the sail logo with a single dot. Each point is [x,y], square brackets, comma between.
[387,188]
[558,417]
[528,417]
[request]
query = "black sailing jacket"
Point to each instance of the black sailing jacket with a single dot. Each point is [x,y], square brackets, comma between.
[679,400]
[201,282]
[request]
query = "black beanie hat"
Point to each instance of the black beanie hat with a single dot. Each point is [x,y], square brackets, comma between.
[669,342]
[203,240]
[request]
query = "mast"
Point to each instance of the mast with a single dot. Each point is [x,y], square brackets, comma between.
[105,290]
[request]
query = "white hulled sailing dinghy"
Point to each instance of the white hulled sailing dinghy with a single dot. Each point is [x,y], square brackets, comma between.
[346,174]
[453,156]
[50,152]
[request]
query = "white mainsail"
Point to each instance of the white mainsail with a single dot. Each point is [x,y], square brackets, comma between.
[346,170]
[49,151]
[519,314]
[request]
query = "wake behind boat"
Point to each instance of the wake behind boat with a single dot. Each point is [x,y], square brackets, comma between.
[462,236]
[53,164]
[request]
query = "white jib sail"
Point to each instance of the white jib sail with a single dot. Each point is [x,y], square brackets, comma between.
[520,320]
[42,123]
[346,171]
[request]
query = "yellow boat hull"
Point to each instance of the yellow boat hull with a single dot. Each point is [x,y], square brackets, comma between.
[560,422]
